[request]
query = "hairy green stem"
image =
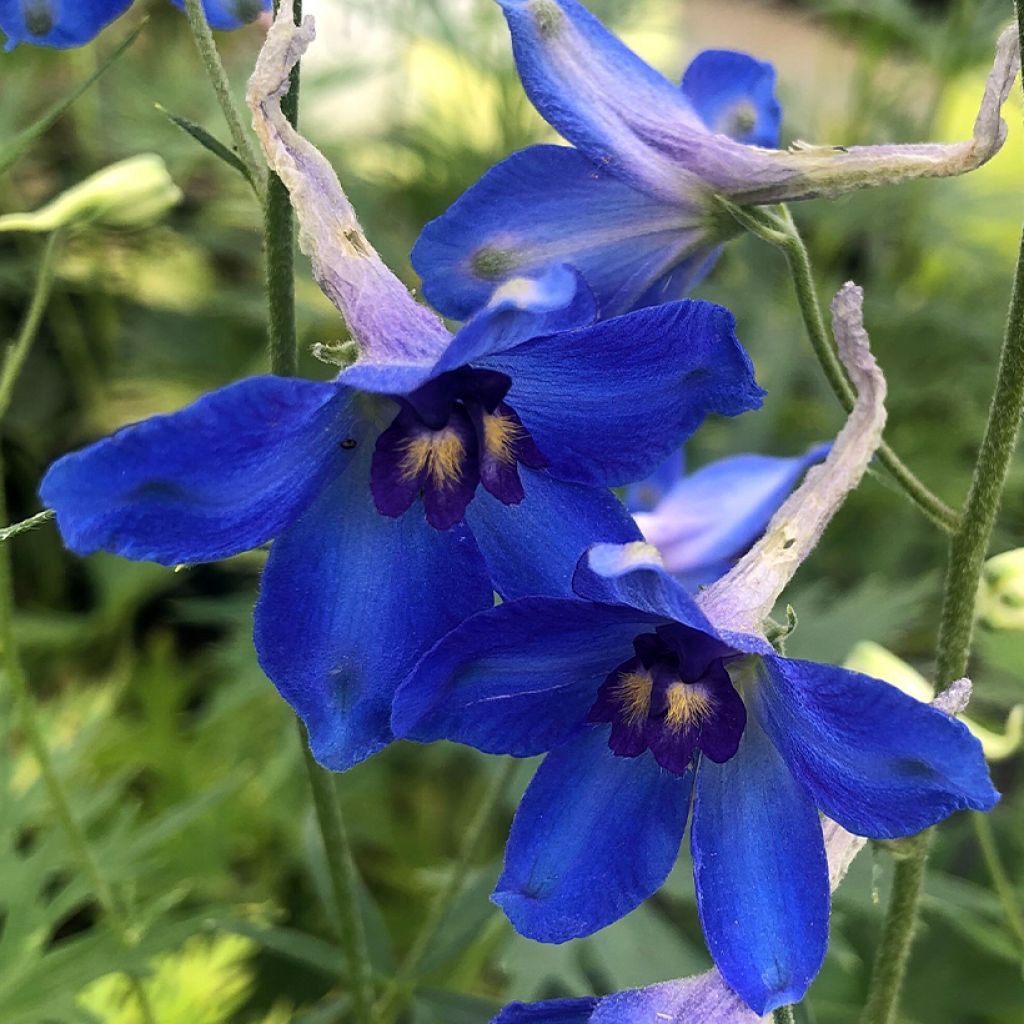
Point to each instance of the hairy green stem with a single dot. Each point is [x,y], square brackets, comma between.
[25,525]
[1000,877]
[344,883]
[390,1001]
[116,916]
[240,138]
[781,231]
[968,548]
[279,233]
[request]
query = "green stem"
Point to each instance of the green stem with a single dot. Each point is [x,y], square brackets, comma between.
[784,1015]
[17,678]
[279,232]
[390,1001]
[1000,878]
[893,953]
[222,87]
[25,525]
[967,550]
[344,885]
[782,232]
[14,358]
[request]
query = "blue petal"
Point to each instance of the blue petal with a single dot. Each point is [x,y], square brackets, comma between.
[517,679]
[550,204]
[600,95]
[230,14]
[533,547]
[552,1011]
[350,600]
[223,475]
[734,94]
[876,760]
[760,873]
[643,496]
[638,386]
[710,518]
[552,299]
[632,575]
[682,278]
[594,836]
[58,23]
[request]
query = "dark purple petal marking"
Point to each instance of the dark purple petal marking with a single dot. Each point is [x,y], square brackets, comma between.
[451,434]
[673,698]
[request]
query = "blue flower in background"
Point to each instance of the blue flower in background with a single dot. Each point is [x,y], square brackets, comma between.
[642,705]
[632,203]
[67,23]
[702,523]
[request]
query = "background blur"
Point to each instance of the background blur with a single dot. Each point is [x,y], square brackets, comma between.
[180,756]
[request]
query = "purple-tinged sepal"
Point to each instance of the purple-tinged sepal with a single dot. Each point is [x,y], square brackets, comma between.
[385,320]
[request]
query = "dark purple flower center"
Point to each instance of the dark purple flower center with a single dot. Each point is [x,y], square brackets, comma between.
[450,435]
[673,697]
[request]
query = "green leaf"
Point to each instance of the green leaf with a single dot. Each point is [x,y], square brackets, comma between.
[210,143]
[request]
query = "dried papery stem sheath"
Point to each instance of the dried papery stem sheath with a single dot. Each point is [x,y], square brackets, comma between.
[742,599]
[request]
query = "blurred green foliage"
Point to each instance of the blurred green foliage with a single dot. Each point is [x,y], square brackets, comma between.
[182,761]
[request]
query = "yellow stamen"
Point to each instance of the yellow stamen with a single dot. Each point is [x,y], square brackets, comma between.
[687,706]
[440,453]
[500,436]
[633,691]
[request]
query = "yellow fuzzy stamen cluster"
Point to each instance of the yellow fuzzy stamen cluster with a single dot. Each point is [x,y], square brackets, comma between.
[687,706]
[633,692]
[440,453]
[500,436]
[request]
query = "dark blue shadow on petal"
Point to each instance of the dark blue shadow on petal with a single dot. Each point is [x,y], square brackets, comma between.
[533,547]
[349,601]
[517,679]
[553,1011]
[230,14]
[760,873]
[594,836]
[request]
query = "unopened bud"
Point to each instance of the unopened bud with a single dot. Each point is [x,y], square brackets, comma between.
[132,193]
[1001,594]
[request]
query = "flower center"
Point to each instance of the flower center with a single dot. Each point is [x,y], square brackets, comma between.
[673,697]
[450,435]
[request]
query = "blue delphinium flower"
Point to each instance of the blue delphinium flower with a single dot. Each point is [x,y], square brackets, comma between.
[632,205]
[429,469]
[67,23]
[643,699]
[703,522]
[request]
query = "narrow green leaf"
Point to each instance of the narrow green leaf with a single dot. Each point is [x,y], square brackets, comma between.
[20,144]
[210,143]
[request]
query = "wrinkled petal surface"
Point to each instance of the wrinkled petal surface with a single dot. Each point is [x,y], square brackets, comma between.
[533,547]
[876,760]
[607,403]
[516,679]
[573,863]
[710,518]
[223,475]
[760,873]
[350,599]
[550,204]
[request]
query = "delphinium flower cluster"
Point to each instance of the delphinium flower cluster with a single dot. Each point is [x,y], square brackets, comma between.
[486,535]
